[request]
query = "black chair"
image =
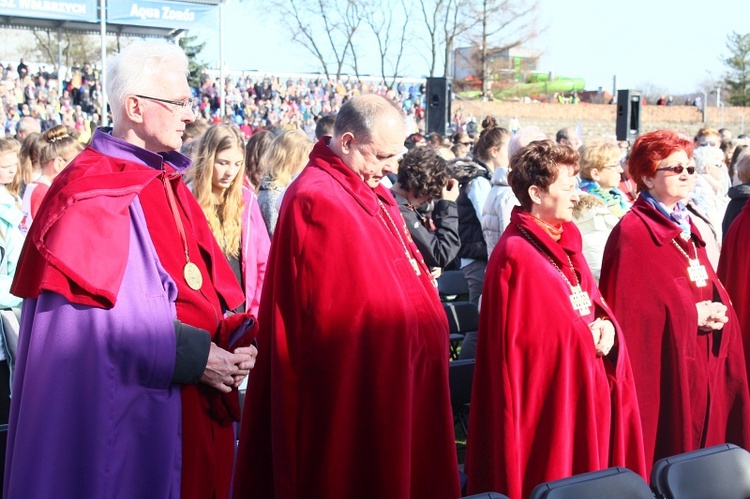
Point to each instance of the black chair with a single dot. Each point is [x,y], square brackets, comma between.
[487,495]
[452,285]
[460,378]
[722,471]
[612,483]
[463,316]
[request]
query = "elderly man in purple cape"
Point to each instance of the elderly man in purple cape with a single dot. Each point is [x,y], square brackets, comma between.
[125,382]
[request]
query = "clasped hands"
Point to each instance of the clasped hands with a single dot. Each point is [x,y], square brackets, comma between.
[227,370]
[603,332]
[712,315]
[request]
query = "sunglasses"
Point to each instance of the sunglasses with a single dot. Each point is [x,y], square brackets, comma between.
[710,143]
[678,169]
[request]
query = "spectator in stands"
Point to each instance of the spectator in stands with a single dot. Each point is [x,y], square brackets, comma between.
[490,152]
[462,145]
[285,159]
[324,126]
[231,209]
[28,158]
[501,200]
[569,136]
[11,241]
[125,295]
[739,194]
[255,149]
[59,150]
[351,325]
[707,137]
[26,126]
[601,172]
[708,194]
[680,325]
[422,177]
[547,338]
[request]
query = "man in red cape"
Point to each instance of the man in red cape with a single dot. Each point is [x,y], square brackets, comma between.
[124,384]
[350,395]
[734,272]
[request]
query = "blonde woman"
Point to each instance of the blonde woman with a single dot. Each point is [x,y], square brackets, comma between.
[28,159]
[232,209]
[285,159]
[58,152]
[11,241]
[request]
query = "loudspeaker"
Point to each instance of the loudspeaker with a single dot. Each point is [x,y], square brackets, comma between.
[628,115]
[438,105]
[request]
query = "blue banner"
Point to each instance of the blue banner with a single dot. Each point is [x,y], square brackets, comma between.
[163,14]
[64,10]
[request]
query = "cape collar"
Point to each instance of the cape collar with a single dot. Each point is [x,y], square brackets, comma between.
[324,158]
[570,239]
[662,229]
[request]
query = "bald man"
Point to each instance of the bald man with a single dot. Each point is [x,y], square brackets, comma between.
[351,393]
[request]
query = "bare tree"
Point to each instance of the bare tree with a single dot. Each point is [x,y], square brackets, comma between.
[431,10]
[324,27]
[456,23]
[76,47]
[391,36]
[501,26]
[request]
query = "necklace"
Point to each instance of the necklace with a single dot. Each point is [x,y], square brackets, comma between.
[696,271]
[579,298]
[190,271]
[413,261]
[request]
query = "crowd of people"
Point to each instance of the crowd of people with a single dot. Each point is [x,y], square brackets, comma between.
[292,253]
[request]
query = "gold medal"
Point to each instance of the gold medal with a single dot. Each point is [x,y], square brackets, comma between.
[193,276]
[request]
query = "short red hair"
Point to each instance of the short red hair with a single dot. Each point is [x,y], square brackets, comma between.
[653,147]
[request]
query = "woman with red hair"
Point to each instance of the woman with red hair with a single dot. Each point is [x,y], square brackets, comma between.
[682,332]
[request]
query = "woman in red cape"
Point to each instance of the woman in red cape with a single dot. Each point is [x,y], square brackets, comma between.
[553,393]
[682,330]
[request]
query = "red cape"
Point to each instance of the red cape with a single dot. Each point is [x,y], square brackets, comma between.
[350,395]
[734,272]
[692,386]
[543,405]
[78,247]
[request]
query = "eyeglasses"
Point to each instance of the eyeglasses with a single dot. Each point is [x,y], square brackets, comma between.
[613,166]
[187,103]
[678,169]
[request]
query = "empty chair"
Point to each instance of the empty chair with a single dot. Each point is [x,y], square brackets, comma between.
[721,471]
[460,378]
[612,483]
[487,495]
[463,316]
[452,285]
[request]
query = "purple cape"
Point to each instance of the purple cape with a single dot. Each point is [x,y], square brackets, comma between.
[94,412]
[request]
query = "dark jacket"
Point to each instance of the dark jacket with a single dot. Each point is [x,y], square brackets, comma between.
[738,196]
[469,225]
[438,248]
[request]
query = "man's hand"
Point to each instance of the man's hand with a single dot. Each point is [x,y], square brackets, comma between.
[223,368]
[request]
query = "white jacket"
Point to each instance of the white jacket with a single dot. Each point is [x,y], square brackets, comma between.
[595,224]
[497,208]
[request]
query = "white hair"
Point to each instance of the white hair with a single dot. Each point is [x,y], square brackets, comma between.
[707,156]
[523,137]
[742,166]
[135,69]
